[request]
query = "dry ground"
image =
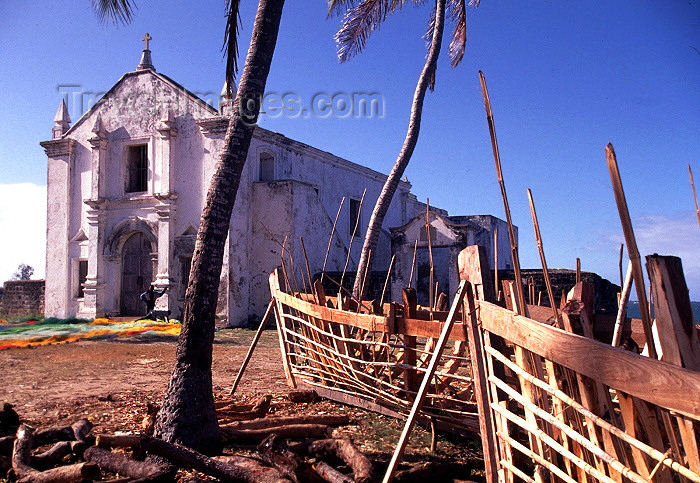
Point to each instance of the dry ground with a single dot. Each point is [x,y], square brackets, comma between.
[109,382]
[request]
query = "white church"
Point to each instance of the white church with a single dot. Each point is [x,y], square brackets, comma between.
[126,187]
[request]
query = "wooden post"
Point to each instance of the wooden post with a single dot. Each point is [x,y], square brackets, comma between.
[499,174]
[352,238]
[253,343]
[431,292]
[481,391]
[578,270]
[678,340]
[619,264]
[495,263]
[386,282]
[423,390]
[409,354]
[631,247]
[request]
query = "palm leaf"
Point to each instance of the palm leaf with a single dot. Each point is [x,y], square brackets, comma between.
[230,47]
[359,23]
[457,12]
[115,11]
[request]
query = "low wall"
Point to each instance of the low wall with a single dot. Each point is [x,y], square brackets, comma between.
[22,297]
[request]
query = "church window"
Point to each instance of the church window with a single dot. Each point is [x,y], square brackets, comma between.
[82,268]
[355,218]
[137,165]
[267,167]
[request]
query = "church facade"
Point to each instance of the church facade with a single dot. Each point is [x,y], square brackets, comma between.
[127,184]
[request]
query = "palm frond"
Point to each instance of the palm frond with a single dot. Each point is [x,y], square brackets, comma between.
[336,7]
[457,12]
[230,47]
[428,37]
[359,23]
[115,11]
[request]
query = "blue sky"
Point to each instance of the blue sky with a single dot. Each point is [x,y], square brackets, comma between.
[565,78]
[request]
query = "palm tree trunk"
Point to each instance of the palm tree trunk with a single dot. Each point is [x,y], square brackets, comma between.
[409,144]
[188,415]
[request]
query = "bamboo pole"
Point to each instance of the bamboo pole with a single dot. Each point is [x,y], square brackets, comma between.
[633,252]
[622,309]
[695,194]
[545,269]
[499,173]
[330,238]
[253,343]
[425,384]
[352,238]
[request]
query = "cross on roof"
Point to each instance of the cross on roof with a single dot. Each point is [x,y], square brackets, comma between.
[145,39]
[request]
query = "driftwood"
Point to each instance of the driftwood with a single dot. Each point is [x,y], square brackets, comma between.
[53,435]
[123,465]
[342,449]
[234,413]
[242,470]
[327,419]
[289,431]
[275,452]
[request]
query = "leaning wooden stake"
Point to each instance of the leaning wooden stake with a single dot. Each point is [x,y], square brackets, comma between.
[495,263]
[695,194]
[330,239]
[545,270]
[253,343]
[619,263]
[386,282]
[423,390]
[352,238]
[622,310]
[632,250]
[578,270]
[499,173]
[431,293]
[413,264]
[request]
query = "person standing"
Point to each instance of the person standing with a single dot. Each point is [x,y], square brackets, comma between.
[150,296]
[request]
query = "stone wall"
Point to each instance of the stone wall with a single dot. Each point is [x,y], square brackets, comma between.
[22,297]
[605,291]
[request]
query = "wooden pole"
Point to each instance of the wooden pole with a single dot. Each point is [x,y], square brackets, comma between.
[413,264]
[695,194]
[306,262]
[253,344]
[330,238]
[622,310]
[431,293]
[496,289]
[632,251]
[352,238]
[425,384]
[545,269]
[386,282]
[499,173]
[578,270]
[619,264]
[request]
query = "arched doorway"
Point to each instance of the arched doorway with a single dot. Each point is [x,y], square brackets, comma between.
[137,273]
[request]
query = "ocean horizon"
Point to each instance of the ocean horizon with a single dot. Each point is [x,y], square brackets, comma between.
[633,310]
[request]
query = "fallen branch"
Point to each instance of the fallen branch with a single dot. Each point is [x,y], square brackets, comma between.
[261,423]
[330,474]
[289,431]
[275,452]
[250,472]
[117,440]
[344,450]
[235,413]
[51,457]
[123,465]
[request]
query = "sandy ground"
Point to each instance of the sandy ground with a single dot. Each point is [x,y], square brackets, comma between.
[110,382]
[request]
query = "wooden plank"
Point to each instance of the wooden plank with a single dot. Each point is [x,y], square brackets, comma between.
[423,390]
[487,429]
[616,368]
[409,353]
[275,289]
